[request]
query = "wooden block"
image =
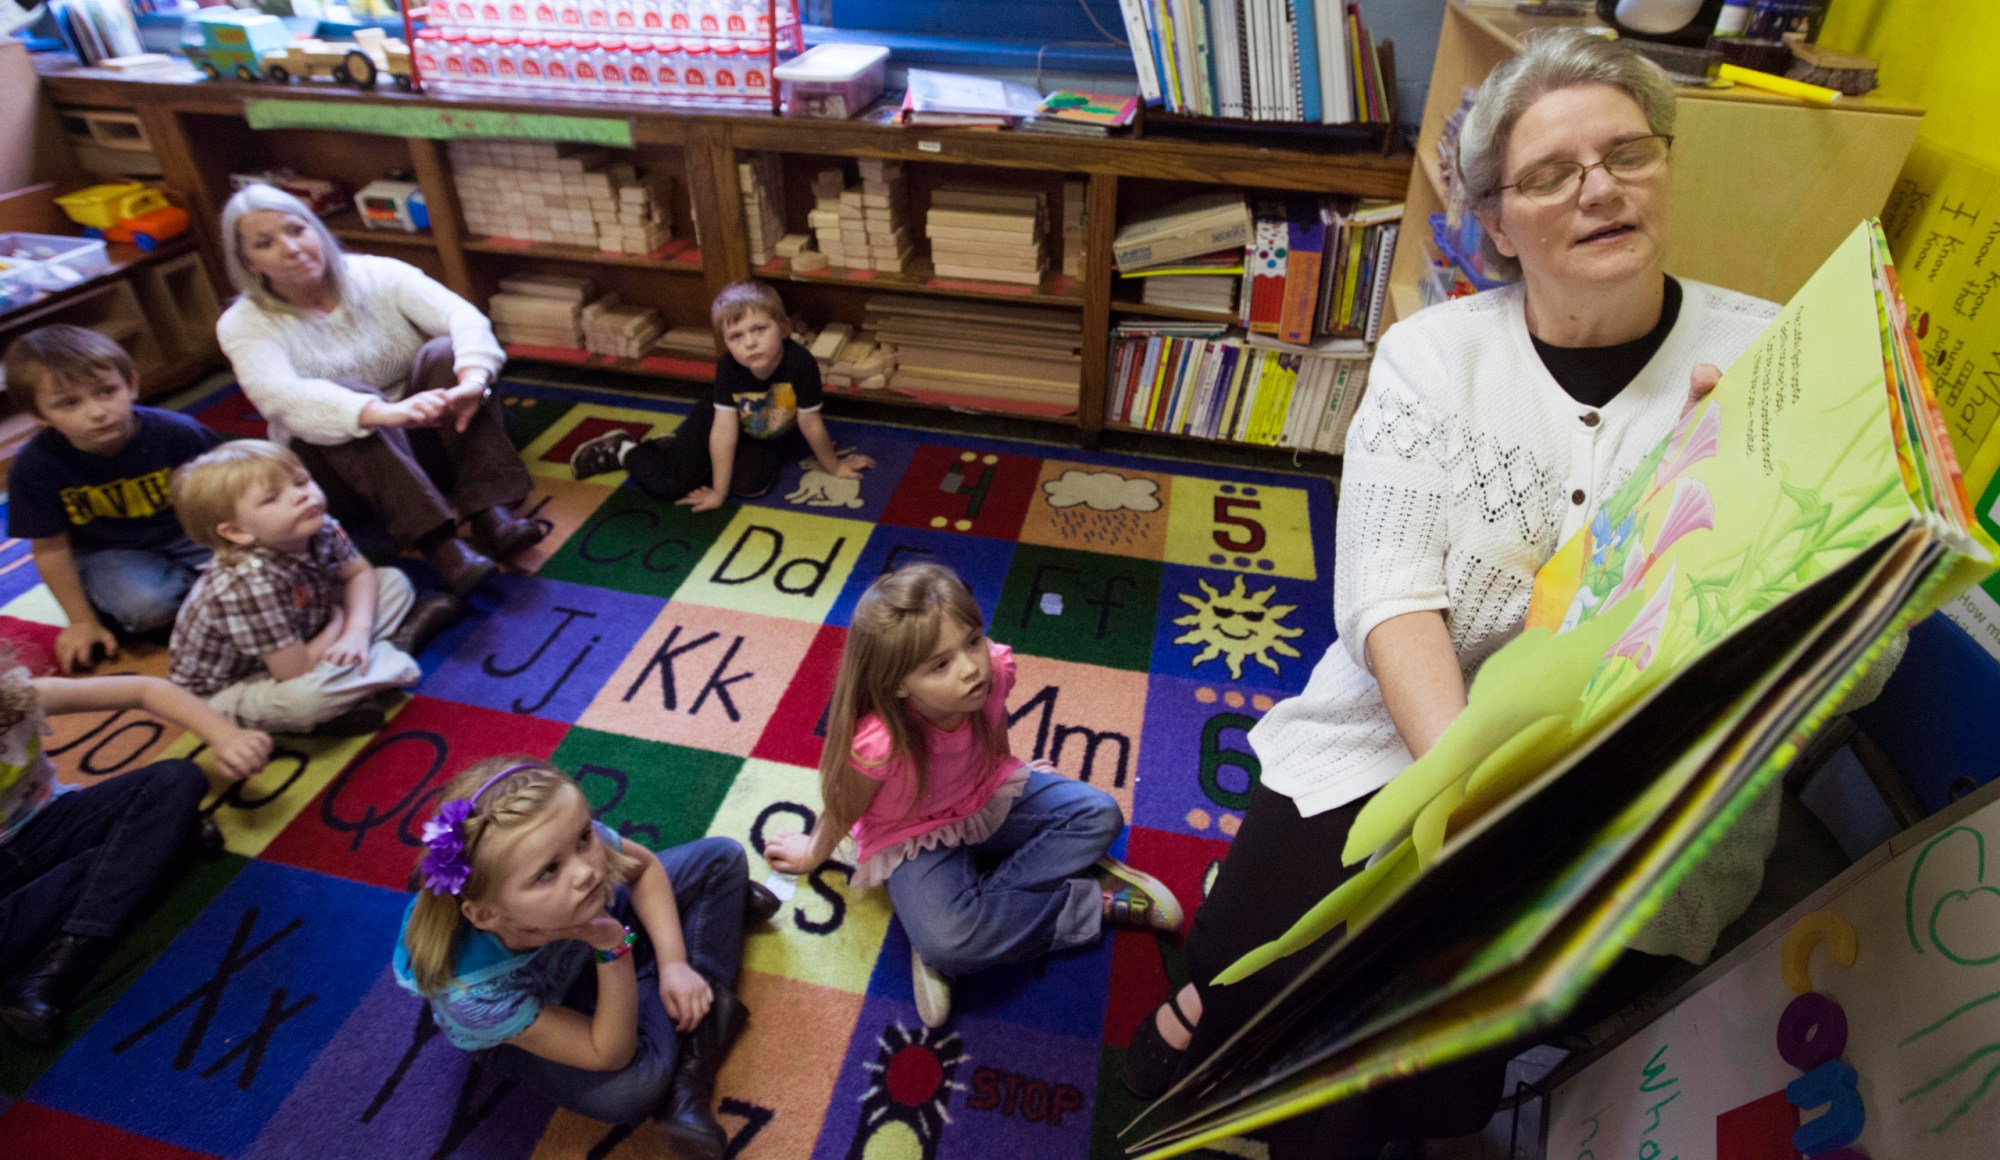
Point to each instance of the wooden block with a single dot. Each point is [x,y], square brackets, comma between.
[989,221]
[790,245]
[1017,264]
[831,339]
[554,286]
[961,234]
[809,261]
[986,200]
[1013,249]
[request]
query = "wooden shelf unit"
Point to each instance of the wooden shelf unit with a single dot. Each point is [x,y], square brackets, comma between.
[1761,188]
[200,130]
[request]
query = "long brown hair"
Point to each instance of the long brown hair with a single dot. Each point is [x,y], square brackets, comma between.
[437,922]
[896,626]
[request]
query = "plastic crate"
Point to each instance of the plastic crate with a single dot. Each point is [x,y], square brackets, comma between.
[52,261]
[17,286]
[1468,263]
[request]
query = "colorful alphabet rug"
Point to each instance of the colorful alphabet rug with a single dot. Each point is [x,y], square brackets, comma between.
[678,666]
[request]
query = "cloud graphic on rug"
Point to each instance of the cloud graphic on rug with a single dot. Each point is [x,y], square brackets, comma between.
[1104,491]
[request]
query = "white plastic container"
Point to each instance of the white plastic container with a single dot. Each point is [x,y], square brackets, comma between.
[695,65]
[667,62]
[533,58]
[725,72]
[835,81]
[52,261]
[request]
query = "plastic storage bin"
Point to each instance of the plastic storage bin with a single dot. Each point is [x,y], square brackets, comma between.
[833,80]
[51,261]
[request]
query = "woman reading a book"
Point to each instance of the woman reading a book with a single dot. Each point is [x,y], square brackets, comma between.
[380,379]
[1492,427]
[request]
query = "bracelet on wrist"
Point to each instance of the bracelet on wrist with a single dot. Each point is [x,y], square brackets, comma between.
[621,950]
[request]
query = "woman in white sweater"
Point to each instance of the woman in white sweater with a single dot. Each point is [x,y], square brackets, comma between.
[380,379]
[1492,427]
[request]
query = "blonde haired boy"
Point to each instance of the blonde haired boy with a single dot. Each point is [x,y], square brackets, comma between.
[290,630]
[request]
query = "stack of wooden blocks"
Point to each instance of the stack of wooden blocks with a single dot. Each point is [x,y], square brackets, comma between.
[988,235]
[763,186]
[611,327]
[556,194]
[540,310]
[687,342]
[1074,228]
[979,354]
[864,226]
[850,359]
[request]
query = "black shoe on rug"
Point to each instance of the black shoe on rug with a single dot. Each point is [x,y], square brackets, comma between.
[602,455]
[1151,1063]
[364,718]
[761,905]
[35,1002]
[686,1118]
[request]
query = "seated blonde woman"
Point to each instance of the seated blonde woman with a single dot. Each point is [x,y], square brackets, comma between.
[380,379]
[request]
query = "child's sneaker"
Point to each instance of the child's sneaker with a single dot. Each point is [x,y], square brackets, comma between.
[601,455]
[1136,898]
[933,991]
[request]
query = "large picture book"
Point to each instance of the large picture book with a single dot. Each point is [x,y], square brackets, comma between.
[1679,653]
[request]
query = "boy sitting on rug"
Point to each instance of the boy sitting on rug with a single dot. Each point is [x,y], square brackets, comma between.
[90,491]
[769,388]
[290,630]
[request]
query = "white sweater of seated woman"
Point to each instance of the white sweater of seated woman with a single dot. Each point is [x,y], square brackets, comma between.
[1466,466]
[288,362]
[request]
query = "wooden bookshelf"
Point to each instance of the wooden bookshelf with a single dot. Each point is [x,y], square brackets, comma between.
[200,131]
[1762,187]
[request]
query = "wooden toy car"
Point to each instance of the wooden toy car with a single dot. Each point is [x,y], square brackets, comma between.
[320,195]
[125,212]
[358,63]
[225,41]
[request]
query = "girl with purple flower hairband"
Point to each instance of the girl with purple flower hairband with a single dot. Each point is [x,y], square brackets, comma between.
[521,890]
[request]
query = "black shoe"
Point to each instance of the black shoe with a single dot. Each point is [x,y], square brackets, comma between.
[35,1002]
[432,613]
[761,905]
[1151,1064]
[685,1117]
[364,718]
[208,837]
[602,455]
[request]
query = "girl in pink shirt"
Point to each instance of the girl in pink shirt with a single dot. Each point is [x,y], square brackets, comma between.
[917,771]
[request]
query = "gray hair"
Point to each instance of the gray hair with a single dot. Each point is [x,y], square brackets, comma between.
[259,196]
[1549,60]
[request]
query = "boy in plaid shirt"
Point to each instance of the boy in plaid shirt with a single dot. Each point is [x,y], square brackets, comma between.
[290,630]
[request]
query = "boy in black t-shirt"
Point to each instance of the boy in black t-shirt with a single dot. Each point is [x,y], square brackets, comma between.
[91,490]
[767,411]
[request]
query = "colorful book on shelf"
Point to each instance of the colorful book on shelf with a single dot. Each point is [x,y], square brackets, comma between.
[1682,648]
[1297,61]
[1307,230]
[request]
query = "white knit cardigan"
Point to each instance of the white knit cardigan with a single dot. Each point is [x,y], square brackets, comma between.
[287,363]
[1466,466]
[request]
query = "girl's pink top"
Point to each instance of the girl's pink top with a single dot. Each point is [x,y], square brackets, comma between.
[960,778]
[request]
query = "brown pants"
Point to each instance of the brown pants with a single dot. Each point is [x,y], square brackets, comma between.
[398,472]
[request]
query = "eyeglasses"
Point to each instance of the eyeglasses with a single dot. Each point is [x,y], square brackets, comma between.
[1558,181]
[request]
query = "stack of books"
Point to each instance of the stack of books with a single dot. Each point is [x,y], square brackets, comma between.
[1319,267]
[990,235]
[940,98]
[1074,114]
[1207,381]
[1206,283]
[1309,61]
[1075,227]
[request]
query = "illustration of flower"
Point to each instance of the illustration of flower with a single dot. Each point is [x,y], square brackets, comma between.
[1641,640]
[1698,436]
[1692,510]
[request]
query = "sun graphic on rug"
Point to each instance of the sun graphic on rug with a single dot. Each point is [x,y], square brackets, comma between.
[903,1111]
[1237,626]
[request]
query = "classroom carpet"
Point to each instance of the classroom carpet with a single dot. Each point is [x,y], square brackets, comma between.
[679,666]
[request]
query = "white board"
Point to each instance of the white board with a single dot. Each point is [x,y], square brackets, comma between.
[1922,1005]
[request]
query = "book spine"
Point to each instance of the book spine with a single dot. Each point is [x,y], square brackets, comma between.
[1307,30]
[1140,40]
[1380,293]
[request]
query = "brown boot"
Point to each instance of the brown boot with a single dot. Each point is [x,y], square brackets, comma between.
[460,566]
[503,535]
[432,613]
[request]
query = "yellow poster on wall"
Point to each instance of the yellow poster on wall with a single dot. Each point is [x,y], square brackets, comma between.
[1943,223]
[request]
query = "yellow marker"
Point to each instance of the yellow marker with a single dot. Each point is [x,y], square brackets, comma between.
[1783,86]
[1820,928]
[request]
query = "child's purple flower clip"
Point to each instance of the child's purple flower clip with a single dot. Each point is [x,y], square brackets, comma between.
[445,868]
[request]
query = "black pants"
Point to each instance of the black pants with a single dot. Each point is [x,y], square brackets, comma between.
[669,468]
[1279,866]
[91,858]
